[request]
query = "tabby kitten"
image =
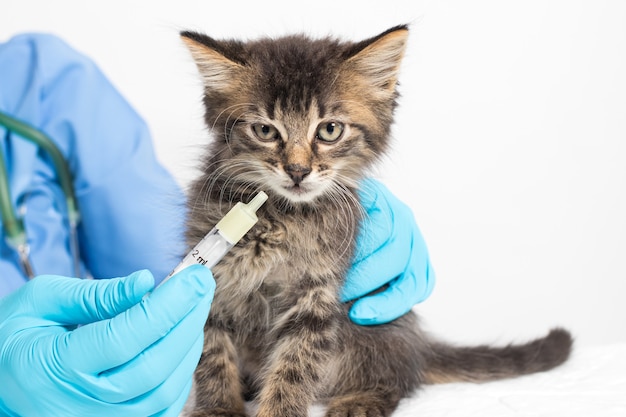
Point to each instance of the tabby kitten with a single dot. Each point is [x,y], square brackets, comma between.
[303,120]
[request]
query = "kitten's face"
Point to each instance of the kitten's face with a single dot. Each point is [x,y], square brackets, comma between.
[304,118]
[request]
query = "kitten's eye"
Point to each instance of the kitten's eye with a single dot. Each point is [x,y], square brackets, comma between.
[266,133]
[330,132]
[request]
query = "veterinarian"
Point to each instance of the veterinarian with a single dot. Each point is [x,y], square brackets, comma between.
[104,347]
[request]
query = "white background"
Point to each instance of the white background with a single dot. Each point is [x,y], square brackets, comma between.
[510,141]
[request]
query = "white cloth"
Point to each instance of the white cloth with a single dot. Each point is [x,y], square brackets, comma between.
[591,384]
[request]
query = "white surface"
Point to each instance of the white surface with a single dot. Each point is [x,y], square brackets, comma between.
[510,137]
[592,383]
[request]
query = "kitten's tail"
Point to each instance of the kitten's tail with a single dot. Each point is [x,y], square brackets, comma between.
[484,363]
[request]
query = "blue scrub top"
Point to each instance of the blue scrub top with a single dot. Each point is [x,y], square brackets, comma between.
[132,209]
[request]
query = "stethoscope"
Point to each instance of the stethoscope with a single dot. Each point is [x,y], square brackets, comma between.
[14,225]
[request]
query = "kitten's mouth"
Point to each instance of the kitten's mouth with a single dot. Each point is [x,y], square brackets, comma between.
[299,193]
[297,189]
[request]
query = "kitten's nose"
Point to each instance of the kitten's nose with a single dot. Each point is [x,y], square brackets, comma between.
[297,172]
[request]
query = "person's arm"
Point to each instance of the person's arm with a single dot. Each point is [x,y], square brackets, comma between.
[132,209]
[390,251]
[134,353]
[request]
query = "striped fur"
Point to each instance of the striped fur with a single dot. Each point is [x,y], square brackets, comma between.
[277,332]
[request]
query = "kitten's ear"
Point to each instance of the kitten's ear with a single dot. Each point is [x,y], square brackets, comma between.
[378,59]
[217,61]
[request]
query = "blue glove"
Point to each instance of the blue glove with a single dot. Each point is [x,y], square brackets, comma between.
[130,357]
[390,250]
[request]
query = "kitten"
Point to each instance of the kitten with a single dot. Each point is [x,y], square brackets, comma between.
[303,120]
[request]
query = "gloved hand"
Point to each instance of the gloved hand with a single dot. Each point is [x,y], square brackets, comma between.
[130,357]
[390,250]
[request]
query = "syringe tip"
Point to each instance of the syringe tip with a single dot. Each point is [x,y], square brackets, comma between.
[257,201]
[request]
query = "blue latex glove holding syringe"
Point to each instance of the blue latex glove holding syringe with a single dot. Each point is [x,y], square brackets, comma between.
[132,354]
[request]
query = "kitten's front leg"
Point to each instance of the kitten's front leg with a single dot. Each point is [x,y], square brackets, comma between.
[218,386]
[306,341]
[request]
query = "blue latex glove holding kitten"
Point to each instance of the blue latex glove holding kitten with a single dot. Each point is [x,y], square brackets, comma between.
[390,251]
[134,354]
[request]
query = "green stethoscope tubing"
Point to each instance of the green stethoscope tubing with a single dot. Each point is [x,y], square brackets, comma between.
[13,225]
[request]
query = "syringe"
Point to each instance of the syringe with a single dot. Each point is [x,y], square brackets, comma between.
[226,233]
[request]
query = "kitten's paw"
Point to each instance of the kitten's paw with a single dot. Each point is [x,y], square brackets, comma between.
[362,405]
[354,411]
[216,412]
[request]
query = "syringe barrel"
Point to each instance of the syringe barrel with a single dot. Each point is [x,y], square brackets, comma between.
[226,233]
[208,252]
